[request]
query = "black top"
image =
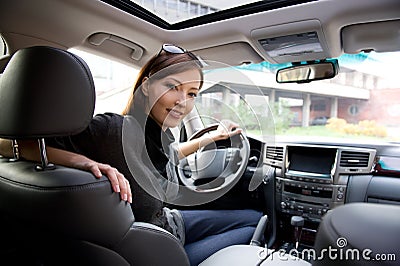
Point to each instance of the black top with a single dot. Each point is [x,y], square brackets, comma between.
[102,142]
[157,142]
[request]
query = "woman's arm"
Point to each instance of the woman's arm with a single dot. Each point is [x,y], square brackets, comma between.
[29,150]
[226,129]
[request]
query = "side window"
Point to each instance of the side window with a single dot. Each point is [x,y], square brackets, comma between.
[3,53]
[113,81]
[3,47]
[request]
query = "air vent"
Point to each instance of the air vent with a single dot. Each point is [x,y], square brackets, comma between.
[354,159]
[275,153]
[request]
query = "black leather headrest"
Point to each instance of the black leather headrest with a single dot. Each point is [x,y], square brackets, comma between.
[45,92]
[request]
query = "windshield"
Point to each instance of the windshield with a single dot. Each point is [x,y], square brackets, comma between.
[361,102]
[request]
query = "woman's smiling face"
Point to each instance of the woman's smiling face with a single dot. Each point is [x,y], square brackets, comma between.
[171,98]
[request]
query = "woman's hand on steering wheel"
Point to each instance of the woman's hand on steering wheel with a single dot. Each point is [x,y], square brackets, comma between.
[225,130]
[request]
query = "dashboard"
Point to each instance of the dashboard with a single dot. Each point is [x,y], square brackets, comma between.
[309,178]
[312,178]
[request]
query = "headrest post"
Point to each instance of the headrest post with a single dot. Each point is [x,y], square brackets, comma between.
[45,165]
[15,150]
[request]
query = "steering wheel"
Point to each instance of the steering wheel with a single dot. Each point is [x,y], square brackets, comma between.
[215,167]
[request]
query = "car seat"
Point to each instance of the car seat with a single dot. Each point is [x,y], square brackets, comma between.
[359,234]
[54,215]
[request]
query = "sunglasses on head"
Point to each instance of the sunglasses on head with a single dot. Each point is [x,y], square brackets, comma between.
[174,49]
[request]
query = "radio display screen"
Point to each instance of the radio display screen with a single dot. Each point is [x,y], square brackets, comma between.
[311,160]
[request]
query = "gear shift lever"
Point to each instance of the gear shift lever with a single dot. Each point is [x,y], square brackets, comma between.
[298,223]
[258,235]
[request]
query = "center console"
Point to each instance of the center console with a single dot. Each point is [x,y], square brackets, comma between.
[310,180]
[307,185]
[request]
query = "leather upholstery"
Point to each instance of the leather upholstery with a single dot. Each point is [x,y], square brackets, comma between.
[64,216]
[45,92]
[357,227]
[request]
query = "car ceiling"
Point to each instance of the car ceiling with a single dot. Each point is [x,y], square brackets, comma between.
[97,27]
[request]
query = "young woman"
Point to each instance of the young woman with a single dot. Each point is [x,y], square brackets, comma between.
[162,96]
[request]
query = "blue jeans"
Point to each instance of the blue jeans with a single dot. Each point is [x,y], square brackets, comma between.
[207,231]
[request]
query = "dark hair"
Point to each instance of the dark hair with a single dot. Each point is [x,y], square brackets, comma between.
[176,63]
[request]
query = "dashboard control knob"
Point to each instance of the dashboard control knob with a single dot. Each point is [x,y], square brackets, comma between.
[283,205]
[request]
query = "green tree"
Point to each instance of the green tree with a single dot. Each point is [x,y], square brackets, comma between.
[282,116]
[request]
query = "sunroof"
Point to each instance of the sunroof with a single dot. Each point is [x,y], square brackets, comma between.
[174,11]
[179,14]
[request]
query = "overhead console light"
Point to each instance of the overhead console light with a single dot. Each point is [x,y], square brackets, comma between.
[292,42]
[294,45]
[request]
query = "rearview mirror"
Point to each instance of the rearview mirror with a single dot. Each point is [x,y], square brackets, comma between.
[308,72]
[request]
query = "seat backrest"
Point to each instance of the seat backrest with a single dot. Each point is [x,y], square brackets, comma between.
[359,234]
[57,215]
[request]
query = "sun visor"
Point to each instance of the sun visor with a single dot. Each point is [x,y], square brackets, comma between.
[292,42]
[233,54]
[382,36]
